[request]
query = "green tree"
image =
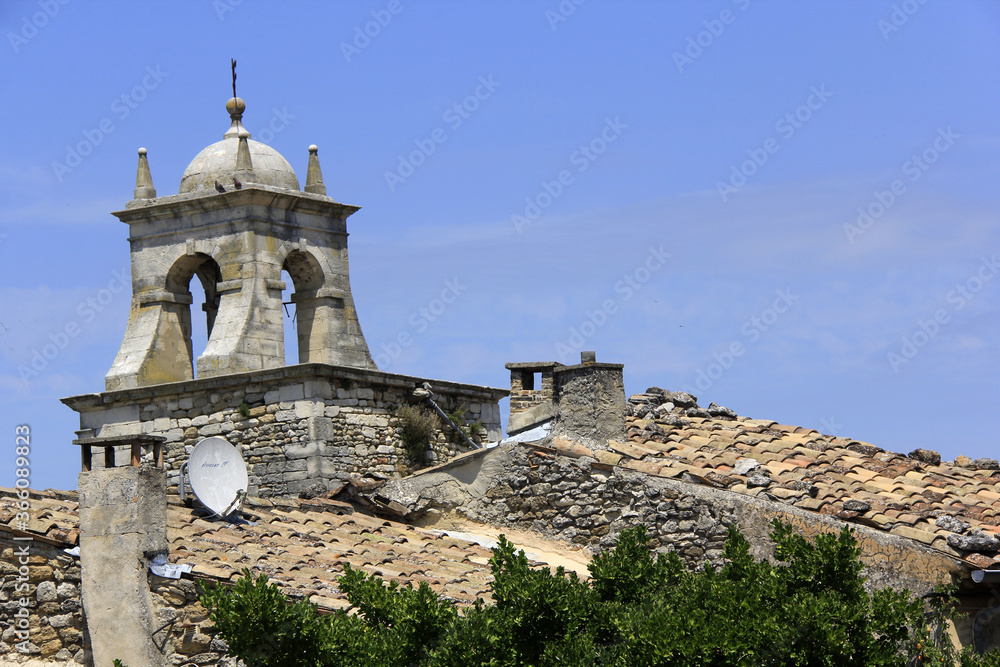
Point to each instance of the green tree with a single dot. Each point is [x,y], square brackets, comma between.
[637,609]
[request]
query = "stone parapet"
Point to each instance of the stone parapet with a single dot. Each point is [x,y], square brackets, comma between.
[296,425]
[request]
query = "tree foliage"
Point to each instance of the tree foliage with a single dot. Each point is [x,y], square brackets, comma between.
[638,609]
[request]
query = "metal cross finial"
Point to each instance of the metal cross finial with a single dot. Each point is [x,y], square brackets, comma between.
[234,76]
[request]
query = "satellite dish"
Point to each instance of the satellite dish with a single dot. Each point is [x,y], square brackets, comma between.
[218,475]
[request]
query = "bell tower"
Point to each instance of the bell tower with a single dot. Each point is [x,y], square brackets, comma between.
[238,220]
[241,226]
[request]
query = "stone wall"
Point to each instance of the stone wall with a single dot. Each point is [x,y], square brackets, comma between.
[56,626]
[297,425]
[188,635]
[567,495]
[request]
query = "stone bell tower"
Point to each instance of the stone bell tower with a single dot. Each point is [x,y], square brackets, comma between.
[238,220]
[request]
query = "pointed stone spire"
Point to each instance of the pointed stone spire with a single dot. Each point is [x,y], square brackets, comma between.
[244,164]
[314,177]
[143,179]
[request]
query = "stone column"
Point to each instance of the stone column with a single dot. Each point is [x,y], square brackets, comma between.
[123,521]
[247,332]
[157,345]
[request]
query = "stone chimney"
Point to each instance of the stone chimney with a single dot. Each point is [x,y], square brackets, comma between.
[123,522]
[587,400]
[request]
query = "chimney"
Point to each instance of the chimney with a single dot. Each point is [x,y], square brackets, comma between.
[123,523]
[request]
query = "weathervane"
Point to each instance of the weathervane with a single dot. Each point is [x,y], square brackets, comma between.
[233,60]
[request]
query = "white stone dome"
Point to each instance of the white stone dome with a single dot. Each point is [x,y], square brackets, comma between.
[217,162]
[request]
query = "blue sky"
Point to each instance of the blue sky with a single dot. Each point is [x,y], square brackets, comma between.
[789,207]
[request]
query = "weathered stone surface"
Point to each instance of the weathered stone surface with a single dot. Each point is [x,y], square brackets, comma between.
[591,403]
[987,464]
[122,518]
[758,480]
[683,399]
[46,592]
[522,421]
[964,462]
[951,523]
[689,519]
[926,455]
[721,412]
[744,466]
[853,505]
[336,441]
[974,541]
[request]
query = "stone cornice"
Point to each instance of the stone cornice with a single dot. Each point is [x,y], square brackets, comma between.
[196,203]
[289,374]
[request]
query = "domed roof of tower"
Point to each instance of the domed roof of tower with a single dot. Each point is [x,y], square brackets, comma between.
[237,157]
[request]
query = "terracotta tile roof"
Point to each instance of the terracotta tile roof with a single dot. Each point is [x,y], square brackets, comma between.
[949,507]
[301,545]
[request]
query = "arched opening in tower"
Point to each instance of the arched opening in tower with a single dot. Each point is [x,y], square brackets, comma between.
[305,277]
[289,321]
[193,329]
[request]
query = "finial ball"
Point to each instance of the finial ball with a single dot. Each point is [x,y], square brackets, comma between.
[142,151]
[313,148]
[236,106]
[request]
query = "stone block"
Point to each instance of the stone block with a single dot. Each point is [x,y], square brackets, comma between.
[210,430]
[301,450]
[321,428]
[67,590]
[46,592]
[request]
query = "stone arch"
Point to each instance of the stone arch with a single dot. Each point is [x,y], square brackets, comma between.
[308,279]
[178,285]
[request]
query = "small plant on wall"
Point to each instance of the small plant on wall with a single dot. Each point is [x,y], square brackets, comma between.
[474,430]
[417,427]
